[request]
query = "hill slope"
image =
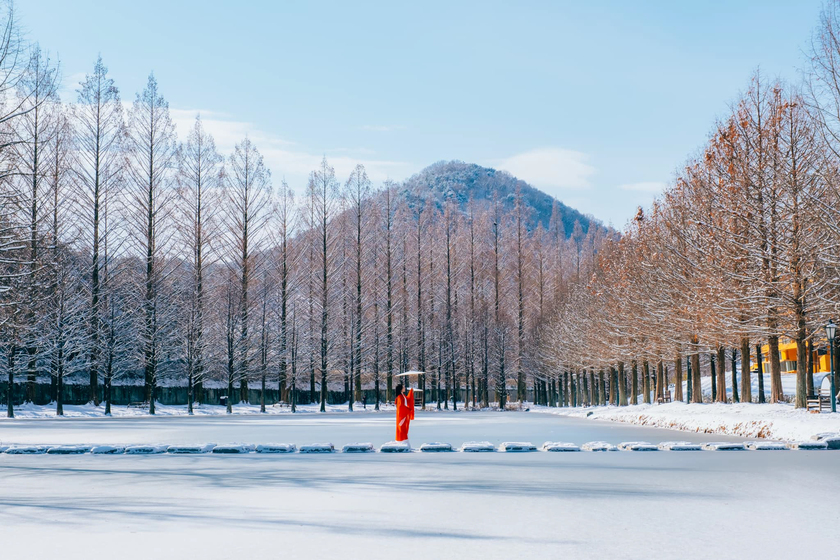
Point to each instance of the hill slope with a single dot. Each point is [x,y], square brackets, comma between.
[461,181]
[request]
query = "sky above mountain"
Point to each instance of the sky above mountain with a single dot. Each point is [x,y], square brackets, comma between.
[596,103]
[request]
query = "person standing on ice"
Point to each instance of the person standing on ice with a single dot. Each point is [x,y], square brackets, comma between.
[405,411]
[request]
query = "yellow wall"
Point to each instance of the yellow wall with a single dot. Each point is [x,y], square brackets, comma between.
[787,351]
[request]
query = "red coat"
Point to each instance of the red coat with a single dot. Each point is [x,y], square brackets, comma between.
[405,414]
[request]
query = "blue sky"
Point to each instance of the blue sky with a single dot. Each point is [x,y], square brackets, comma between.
[596,103]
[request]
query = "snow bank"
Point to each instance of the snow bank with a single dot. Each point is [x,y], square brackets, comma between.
[107,449]
[637,446]
[809,445]
[477,447]
[26,450]
[723,446]
[765,446]
[395,447]
[358,448]
[517,447]
[436,447]
[190,449]
[68,449]
[317,448]
[767,421]
[145,449]
[598,446]
[679,446]
[559,446]
[122,411]
[234,448]
[276,448]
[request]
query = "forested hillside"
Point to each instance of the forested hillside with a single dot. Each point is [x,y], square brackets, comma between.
[462,182]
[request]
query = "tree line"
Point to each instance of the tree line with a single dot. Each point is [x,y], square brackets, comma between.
[130,254]
[739,252]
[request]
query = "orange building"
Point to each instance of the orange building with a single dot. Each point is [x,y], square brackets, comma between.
[788,355]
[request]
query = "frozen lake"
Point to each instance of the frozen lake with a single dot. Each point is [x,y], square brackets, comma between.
[576,505]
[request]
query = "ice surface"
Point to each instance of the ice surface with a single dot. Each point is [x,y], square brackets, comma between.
[517,446]
[560,446]
[358,448]
[598,446]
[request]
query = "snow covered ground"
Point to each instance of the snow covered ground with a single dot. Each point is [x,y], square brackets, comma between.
[773,421]
[412,506]
[119,411]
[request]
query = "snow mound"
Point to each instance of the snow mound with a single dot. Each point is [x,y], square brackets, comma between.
[517,447]
[395,447]
[598,446]
[825,435]
[107,450]
[808,445]
[145,449]
[477,447]
[317,448]
[234,448]
[68,449]
[723,446]
[559,446]
[26,450]
[679,446]
[637,446]
[436,447]
[765,446]
[3,448]
[190,449]
[276,448]
[832,442]
[358,448]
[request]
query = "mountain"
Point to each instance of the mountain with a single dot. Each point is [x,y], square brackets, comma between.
[461,181]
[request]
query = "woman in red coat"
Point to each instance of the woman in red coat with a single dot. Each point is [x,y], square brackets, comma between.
[405,411]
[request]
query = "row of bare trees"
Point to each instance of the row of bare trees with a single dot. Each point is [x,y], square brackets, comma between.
[740,252]
[132,256]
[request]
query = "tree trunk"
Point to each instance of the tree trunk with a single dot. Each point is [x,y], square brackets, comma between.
[696,386]
[776,393]
[746,374]
[678,377]
[721,374]
[760,364]
[735,397]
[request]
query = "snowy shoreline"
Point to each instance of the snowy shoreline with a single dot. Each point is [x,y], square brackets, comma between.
[769,421]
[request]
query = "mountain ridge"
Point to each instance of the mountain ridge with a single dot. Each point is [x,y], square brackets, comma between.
[462,182]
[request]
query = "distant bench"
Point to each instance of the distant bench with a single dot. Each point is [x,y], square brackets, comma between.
[138,405]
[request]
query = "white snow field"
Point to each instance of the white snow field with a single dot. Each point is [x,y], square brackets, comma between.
[772,421]
[701,504]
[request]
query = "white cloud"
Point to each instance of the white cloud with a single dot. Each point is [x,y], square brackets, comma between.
[654,187]
[284,157]
[553,170]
